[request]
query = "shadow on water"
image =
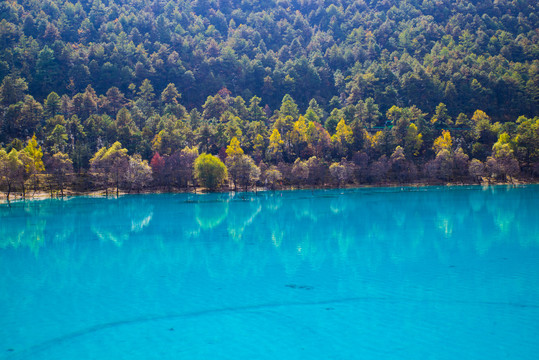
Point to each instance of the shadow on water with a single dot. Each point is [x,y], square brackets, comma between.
[44,346]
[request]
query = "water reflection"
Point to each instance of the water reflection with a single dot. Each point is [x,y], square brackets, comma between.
[96,261]
[211,214]
[374,225]
[116,220]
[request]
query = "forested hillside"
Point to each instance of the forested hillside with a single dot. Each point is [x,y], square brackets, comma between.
[309,92]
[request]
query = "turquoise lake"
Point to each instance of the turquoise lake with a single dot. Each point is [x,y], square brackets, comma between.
[384,273]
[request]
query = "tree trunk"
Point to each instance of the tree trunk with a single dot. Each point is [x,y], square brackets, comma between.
[35,185]
[117,182]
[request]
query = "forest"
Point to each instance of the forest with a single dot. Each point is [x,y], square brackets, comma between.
[140,94]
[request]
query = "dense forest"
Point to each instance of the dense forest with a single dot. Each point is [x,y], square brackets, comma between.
[132,94]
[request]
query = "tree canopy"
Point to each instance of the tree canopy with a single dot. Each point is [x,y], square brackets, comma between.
[447,91]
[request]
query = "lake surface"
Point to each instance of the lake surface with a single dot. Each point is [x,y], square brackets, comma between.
[389,273]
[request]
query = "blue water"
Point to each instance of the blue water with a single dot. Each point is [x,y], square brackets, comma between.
[426,273]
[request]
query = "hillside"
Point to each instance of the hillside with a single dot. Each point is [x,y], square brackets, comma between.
[349,82]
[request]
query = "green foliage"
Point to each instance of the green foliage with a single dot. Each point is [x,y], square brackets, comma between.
[463,54]
[58,138]
[52,105]
[367,77]
[11,169]
[210,171]
[12,90]
[109,165]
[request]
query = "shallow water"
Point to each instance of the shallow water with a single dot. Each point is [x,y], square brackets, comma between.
[417,273]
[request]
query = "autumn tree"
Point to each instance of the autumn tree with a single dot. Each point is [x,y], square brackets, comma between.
[300,172]
[157,164]
[274,152]
[242,170]
[342,138]
[179,167]
[298,136]
[27,170]
[503,154]
[115,100]
[340,172]
[59,168]
[318,170]
[234,149]
[35,165]
[188,156]
[412,141]
[272,177]
[476,169]
[379,169]
[461,164]
[109,165]
[138,173]
[11,169]
[441,167]
[399,164]
[443,142]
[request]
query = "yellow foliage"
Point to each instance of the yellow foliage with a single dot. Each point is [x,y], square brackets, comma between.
[503,144]
[480,115]
[234,149]
[275,147]
[275,139]
[157,142]
[376,138]
[343,133]
[443,142]
[299,131]
[413,140]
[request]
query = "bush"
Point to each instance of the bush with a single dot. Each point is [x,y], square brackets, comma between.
[210,171]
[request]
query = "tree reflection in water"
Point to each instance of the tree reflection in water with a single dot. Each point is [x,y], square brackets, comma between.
[367,225]
[101,261]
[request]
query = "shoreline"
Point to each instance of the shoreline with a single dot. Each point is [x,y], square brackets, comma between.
[42,195]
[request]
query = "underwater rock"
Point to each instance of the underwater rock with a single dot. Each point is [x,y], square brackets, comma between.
[302,287]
